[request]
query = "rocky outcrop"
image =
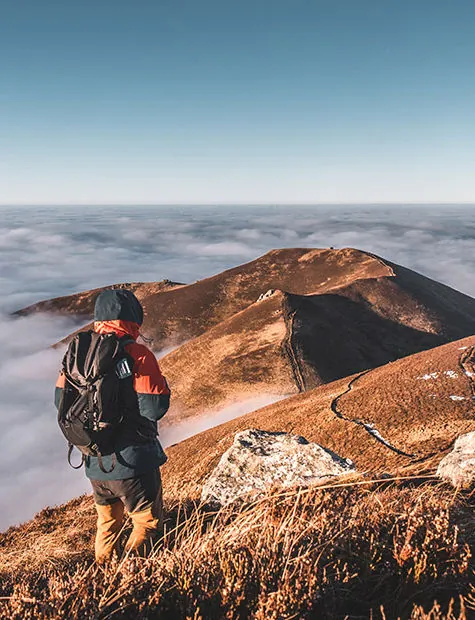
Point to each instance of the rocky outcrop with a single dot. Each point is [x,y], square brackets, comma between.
[458,467]
[259,460]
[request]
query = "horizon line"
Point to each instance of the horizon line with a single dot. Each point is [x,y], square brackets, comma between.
[237,204]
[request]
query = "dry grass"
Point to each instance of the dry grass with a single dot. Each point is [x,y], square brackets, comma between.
[415,415]
[385,550]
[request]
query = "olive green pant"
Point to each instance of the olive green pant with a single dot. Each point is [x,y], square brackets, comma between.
[141,497]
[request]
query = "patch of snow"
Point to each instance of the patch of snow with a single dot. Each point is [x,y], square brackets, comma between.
[377,435]
[451,373]
[374,431]
[435,375]
[462,348]
[469,374]
[453,397]
[431,375]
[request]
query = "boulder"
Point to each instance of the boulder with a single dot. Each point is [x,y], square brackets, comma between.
[259,460]
[458,467]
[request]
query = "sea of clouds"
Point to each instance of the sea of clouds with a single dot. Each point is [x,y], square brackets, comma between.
[47,252]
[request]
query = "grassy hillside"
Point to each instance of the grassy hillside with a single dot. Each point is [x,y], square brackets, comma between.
[390,541]
[353,550]
[408,403]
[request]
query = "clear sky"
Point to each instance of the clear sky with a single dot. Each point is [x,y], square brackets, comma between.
[206,101]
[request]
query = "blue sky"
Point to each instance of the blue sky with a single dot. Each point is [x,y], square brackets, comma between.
[263,101]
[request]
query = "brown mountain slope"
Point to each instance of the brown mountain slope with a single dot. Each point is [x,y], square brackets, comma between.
[419,405]
[179,314]
[370,296]
[240,358]
[289,343]
[83,303]
[339,312]
[371,322]
[408,401]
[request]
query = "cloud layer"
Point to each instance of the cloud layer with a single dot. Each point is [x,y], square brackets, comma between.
[179,432]
[50,252]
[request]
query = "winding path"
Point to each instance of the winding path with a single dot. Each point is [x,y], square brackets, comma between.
[366,425]
[467,364]
[289,349]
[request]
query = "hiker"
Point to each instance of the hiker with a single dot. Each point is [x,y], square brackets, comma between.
[127,476]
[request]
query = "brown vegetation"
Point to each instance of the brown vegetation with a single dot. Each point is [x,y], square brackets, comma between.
[238,359]
[412,412]
[359,548]
[356,550]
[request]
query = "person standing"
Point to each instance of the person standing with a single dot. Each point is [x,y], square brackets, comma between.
[129,478]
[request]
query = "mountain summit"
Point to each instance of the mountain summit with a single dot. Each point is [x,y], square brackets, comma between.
[287,322]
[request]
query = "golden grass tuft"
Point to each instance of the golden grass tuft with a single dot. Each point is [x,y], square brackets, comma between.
[361,549]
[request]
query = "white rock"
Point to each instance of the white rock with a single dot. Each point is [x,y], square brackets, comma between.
[266,295]
[458,467]
[258,460]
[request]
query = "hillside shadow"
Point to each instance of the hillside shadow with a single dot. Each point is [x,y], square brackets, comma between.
[335,337]
[456,309]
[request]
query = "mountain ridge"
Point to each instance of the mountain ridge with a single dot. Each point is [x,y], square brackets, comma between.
[287,322]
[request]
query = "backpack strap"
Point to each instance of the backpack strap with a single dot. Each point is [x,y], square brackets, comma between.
[125,340]
[101,464]
[71,446]
[147,341]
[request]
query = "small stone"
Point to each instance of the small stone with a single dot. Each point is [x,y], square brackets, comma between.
[259,460]
[458,467]
[266,295]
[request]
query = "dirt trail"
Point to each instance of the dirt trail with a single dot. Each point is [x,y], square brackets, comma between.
[366,425]
[289,350]
[467,364]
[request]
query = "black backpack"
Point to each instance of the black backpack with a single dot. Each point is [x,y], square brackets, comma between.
[91,407]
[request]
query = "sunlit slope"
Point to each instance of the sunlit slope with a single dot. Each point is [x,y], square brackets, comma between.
[177,316]
[181,313]
[82,304]
[239,359]
[326,314]
[291,343]
[413,410]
